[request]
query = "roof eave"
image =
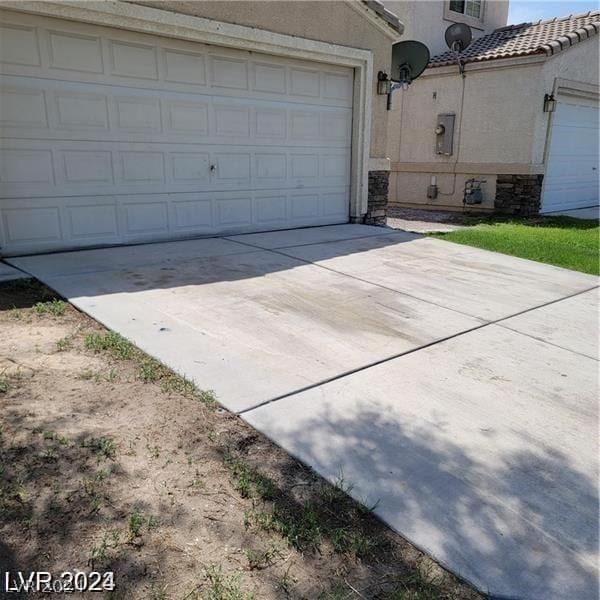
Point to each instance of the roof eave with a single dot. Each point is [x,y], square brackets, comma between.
[384,20]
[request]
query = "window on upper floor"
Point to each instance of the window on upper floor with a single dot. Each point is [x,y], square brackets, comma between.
[470,8]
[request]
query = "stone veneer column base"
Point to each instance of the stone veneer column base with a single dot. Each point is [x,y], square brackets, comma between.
[518,195]
[377,204]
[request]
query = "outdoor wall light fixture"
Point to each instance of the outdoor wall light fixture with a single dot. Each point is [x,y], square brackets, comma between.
[549,103]
[384,85]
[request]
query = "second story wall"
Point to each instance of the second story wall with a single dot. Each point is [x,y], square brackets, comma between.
[427,20]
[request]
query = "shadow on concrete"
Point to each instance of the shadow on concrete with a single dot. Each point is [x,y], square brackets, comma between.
[166,265]
[526,529]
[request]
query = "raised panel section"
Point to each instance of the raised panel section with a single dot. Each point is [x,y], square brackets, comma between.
[305,165]
[133,60]
[232,121]
[232,167]
[270,166]
[19,45]
[26,166]
[305,82]
[139,115]
[269,78]
[337,86]
[335,205]
[190,167]
[93,221]
[32,224]
[75,52]
[146,217]
[23,108]
[188,117]
[184,67]
[271,209]
[305,125]
[305,206]
[229,72]
[335,165]
[82,111]
[269,123]
[337,126]
[193,214]
[142,167]
[234,211]
[87,166]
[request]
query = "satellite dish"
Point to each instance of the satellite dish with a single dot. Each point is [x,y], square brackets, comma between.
[458,37]
[409,60]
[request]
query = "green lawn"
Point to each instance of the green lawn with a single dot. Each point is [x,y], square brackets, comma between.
[561,241]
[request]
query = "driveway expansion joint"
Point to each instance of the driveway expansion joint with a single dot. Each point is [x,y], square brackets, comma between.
[424,346]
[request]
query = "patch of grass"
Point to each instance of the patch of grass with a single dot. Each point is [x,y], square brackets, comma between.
[263,558]
[56,307]
[248,481]
[151,370]
[218,586]
[4,385]
[346,540]
[179,384]
[136,522]
[564,242]
[103,446]
[300,527]
[110,342]
[103,551]
[64,344]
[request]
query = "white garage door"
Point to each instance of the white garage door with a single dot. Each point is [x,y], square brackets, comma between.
[571,179]
[109,136]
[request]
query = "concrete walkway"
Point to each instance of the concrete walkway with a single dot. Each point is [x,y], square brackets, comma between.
[456,386]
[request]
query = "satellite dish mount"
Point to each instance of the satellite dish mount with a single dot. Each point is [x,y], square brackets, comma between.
[409,60]
[458,36]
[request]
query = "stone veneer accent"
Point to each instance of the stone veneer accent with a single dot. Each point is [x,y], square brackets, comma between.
[518,195]
[377,198]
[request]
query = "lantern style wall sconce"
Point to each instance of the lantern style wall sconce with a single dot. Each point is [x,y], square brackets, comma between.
[384,85]
[549,103]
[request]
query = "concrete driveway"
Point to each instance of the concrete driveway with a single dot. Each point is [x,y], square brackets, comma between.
[455,386]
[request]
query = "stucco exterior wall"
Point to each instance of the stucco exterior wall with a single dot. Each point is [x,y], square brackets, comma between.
[427,20]
[502,130]
[333,22]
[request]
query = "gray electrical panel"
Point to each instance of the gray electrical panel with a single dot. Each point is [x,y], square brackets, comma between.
[444,134]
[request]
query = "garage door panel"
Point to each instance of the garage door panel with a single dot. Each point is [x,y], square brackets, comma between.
[571,179]
[151,62]
[37,168]
[113,136]
[44,224]
[51,110]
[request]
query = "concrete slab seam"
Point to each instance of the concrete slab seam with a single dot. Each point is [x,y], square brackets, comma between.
[413,350]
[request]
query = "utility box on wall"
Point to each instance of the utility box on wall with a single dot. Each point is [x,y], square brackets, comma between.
[444,134]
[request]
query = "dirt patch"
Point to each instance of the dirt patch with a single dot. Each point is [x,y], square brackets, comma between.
[110,462]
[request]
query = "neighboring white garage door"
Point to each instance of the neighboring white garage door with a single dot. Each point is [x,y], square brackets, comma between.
[571,179]
[109,136]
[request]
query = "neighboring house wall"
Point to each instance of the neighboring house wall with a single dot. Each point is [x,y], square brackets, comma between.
[502,130]
[426,21]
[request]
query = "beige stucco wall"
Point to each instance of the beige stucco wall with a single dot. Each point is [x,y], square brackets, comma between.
[503,130]
[427,20]
[333,22]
